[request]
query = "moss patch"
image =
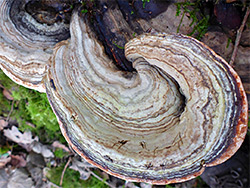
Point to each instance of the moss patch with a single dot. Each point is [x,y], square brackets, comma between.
[72,179]
[30,108]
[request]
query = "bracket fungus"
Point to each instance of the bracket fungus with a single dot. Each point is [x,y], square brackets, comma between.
[182,109]
[27,37]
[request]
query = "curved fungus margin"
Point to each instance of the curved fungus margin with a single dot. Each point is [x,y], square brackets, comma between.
[184,108]
[26,43]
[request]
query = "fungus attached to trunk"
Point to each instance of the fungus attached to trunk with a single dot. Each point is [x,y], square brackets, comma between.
[184,108]
[28,32]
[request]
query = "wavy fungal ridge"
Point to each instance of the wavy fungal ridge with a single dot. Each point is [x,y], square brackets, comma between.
[163,123]
[178,109]
[26,44]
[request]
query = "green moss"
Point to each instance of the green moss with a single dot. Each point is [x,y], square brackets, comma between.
[169,186]
[72,179]
[4,150]
[84,11]
[192,8]
[144,3]
[120,47]
[200,182]
[5,81]
[229,40]
[60,153]
[30,107]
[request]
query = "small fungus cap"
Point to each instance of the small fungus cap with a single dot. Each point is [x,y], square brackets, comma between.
[26,42]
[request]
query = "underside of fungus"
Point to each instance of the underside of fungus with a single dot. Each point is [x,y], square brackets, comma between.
[182,109]
[28,33]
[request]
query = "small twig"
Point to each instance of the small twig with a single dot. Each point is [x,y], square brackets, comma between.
[239,33]
[30,124]
[53,185]
[99,178]
[65,167]
[11,110]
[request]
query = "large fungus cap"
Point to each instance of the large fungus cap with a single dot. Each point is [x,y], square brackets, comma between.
[184,108]
[27,39]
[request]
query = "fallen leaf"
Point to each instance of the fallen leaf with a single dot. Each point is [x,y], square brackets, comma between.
[3,178]
[42,149]
[36,159]
[17,178]
[145,185]
[82,167]
[18,161]
[35,166]
[84,173]
[23,139]
[20,179]
[82,162]
[36,174]
[130,185]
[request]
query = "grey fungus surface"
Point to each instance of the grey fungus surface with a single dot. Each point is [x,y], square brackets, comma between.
[184,108]
[179,109]
[26,43]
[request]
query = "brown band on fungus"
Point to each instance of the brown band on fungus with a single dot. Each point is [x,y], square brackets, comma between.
[26,43]
[182,109]
[158,108]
